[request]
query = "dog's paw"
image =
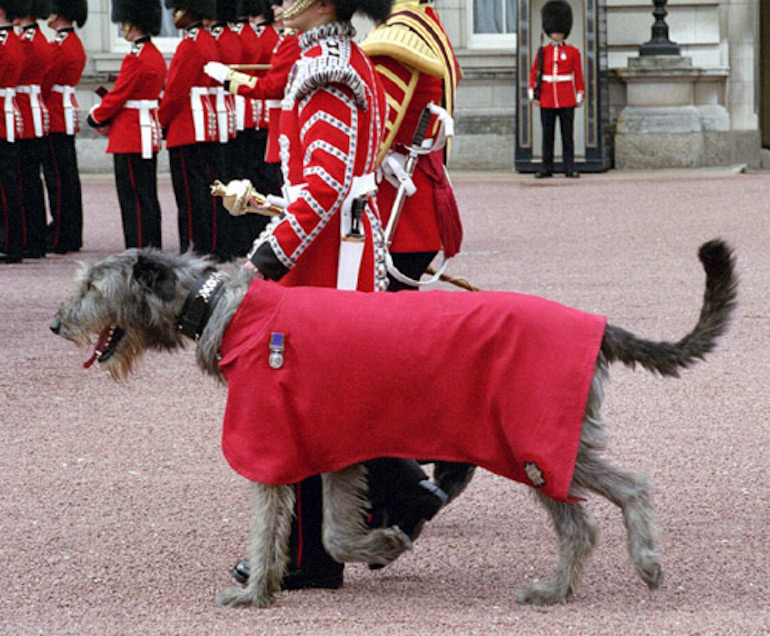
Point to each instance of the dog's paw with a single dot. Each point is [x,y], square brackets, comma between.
[650,571]
[387,544]
[240,597]
[541,594]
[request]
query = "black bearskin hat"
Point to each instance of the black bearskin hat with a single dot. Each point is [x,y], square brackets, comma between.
[557,17]
[16,8]
[74,10]
[226,10]
[203,8]
[377,10]
[41,9]
[246,8]
[142,14]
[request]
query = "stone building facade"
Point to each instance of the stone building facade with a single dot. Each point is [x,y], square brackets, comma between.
[724,96]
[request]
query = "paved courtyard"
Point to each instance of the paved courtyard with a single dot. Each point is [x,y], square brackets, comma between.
[119,515]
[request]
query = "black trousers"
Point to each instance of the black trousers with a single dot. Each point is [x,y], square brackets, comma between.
[248,148]
[137,184]
[204,224]
[566,118]
[65,200]
[32,153]
[11,221]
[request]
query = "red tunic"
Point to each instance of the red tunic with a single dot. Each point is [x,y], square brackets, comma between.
[250,54]
[269,38]
[68,59]
[409,90]
[332,123]
[29,98]
[11,64]
[230,52]
[185,85]
[141,78]
[562,85]
[500,380]
[270,88]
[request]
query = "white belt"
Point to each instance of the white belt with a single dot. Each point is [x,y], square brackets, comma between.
[33,90]
[240,112]
[559,78]
[69,105]
[10,113]
[198,111]
[273,103]
[147,122]
[221,108]
[351,247]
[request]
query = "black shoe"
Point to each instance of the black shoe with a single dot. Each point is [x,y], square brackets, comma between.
[30,253]
[543,174]
[452,477]
[572,174]
[299,579]
[60,249]
[9,258]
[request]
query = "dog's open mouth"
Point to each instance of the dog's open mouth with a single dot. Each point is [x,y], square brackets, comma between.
[105,345]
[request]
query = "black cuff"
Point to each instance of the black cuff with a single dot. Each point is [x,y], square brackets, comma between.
[92,122]
[226,84]
[265,260]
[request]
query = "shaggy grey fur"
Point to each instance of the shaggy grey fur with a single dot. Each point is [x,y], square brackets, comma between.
[142,293]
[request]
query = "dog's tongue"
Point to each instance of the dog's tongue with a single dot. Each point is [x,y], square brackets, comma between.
[101,343]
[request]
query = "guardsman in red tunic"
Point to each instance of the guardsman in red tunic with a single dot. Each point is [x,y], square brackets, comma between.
[417,65]
[11,63]
[33,145]
[556,86]
[230,52]
[189,117]
[60,166]
[129,115]
[329,234]
[266,90]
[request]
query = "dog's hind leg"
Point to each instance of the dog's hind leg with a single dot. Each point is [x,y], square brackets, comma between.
[345,533]
[631,493]
[272,510]
[577,535]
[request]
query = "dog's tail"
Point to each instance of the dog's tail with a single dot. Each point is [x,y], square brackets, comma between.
[668,358]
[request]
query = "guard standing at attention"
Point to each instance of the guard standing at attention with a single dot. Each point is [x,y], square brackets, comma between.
[556,86]
[129,115]
[32,142]
[11,63]
[60,165]
[189,120]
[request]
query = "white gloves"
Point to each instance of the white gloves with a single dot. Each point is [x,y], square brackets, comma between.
[237,196]
[217,71]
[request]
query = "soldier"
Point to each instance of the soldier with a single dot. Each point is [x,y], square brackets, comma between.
[11,63]
[556,86]
[265,91]
[230,52]
[417,65]
[32,142]
[60,165]
[189,119]
[129,115]
[329,235]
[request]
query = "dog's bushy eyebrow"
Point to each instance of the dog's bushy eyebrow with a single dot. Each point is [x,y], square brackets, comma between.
[156,277]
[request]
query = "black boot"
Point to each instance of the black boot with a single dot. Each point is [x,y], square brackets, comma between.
[452,477]
[297,579]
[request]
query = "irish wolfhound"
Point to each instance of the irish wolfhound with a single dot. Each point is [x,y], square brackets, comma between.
[144,299]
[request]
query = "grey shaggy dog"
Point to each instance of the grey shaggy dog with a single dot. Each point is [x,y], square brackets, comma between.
[133,300]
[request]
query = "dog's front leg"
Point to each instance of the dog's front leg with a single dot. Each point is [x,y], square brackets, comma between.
[345,533]
[273,507]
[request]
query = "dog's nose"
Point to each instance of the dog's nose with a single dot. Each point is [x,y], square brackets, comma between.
[55,326]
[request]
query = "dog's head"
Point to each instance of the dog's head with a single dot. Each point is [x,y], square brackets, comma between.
[130,302]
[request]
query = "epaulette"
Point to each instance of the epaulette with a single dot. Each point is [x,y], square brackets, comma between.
[29,33]
[61,36]
[216,30]
[192,34]
[316,72]
[399,42]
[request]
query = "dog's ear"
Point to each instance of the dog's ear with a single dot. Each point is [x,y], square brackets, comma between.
[155,276]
